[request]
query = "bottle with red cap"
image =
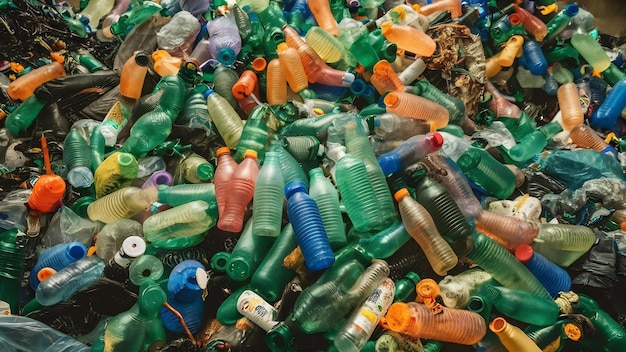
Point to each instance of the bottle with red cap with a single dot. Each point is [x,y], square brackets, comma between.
[410,152]
[551,276]
[241,191]
[226,166]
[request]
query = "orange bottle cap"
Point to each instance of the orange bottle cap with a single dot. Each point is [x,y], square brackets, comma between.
[401,194]
[282,46]
[250,154]
[391,99]
[91,251]
[259,64]
[398,316]
[222,150]
[45,273]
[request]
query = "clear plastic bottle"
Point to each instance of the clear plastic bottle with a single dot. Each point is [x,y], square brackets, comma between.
[47,194]
[116,172]
[226,166]
[254,133]
[183,221]
[241,187]
[521,306]
[409,38]
[409,152]
[56,258]
[276,91]
[392,126]
[225,42]
[112,236]
[120,204]
[451,325]
[591,51]
[563,244]
[24,86]
[416,107]
[454,105]
[307,223]
[133,75]
[512,337]
[419,224]
[304,148]
[69,280]
[226,120]
[358,328]
[327,199]
[77,158]
[185,288]
[290,168]
[12,255]
[268,198]
[224,78]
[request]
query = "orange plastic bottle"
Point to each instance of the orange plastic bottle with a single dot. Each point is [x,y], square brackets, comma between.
[226,166]
[512,337]
[47,193]
[453,6]
[24,87]
[133,75]
[448,325]
[416,107]
[385,79]
[409,38]
[241,191]
[509,53]
[508,231]
[492,65]
[248,83]
[569,101]
[292,66]
[585,137]
[165,64]
[532,24]
[276,86]
[320,9]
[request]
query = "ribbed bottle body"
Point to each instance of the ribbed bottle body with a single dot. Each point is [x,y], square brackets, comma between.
[409,38]
[241,188]
[226,166]
[24,86]
[591,51]
[224,79]
[181,194]
[57,258]
[451,325]
[487,172]
[454,105]
[185,220]
[419,224]
[534,59]
[416,107]
[289,166]
[327,199]
[133,75]
[307,223]
[268,198]
[328,47]
[303,148]
[69,280]
[357,193]
[610,110]
[121,204]
[276,86]
[569,102]
[225,118]
[504,267]
[551,276]
[76,154]
[562,243]
[253,135]
[509,231]
[585,137]
[392,126]
[292,67]
[225,42]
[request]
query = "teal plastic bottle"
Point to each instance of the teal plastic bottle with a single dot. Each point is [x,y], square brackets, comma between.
[327,199]
[12,255]
[254,133]
[558,23]
[289,166]
[534,142]
[24,116]
[247,254]
[487,172]
[77,158]
[269,194]
[153,128]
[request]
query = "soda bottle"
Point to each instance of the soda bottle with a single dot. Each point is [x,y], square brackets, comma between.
[512,337]
[327,46]
[226,166]
[241,188]
[69,280]
[585,137]
[454,105]
[268,198]
[12,255]
[224,78]
[508,231]
[327,199]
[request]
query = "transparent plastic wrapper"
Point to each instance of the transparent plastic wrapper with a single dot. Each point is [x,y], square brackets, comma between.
[178,35]
[66,226]
[25,334]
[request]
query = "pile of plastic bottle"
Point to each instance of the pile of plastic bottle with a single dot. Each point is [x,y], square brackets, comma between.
[321,175]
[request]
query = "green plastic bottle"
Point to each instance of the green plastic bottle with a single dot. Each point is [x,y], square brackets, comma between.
[24,116]
[521,305]
[268,200]
[454,105]
[270,278]
[312,126]
[289,166]
[563,244]
[558,23]
[254,134]
[97,145]
[194,168]
[225,118]
[247,254]
[227,313]
[12,255]
[327,199]
[181,194]
[405,287]
[77,158]
[534,142]
[487,172]
[609,335]
[223,81]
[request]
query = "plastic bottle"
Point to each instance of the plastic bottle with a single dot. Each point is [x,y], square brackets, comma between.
[12,255]
[533,58]
[610,111]
[69,280]
[562,244]
[327,199]
[488,173]
[247,254]
[509,52]
[532,24]
[226,166]
[120,204]
[24,86]
[409,38]
[451,325]
[559,22]
[254,133]
[195,169]
[224,78]
[225,42]
[136,15]
[165,64]
[392,126]
[290,168]
[534,142]
[241,188]
[454,105]
[411,73]
[112,236]
[185,288]
[133,75]
[452,6]
[591,51]
[157,179]
[324,17]
[184,221]
[77,158]
[512,337]
[276,83]
[226,120]
[268,198]
[327,46]
[116,172]
[358,328]
[24,115]
[551,276]
[292,67]
[409,152]
[384,78]
[503,267]
[419,224]
[304,148]
[94,11]
[132,248]
[609,335]
[510,232]
[416,107]
[47,194]
[56,258]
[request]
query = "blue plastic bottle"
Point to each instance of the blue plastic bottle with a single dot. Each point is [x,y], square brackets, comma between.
[306,220]
[57,258]
[69,280]
[533,58]
[607,114]
[551,276]
[185,287]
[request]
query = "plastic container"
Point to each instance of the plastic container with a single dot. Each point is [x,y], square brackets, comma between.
[562,244]
[24,115]
[292,67]
[559,22]
[327,199]
[409,152]
[488,173]
[611,109]
[47,194]
[195,169]
[133,75]
[185,289]
[409,38]
[510,232]
[226,166]
[551,276]
[257,310]
[24,86]
[452,6]
[416,107]
[591,51]
[12,255]
[121,204]
[69,280]
[77,158]
[225,118]
[112,236]
[327,46]
[57,258]
[324,17]
[254,133]
[116,172]
[225,42]
[454,105]
[276,90]
[532,24]
[241,187]
[268,198]
[184,221]
[247,254]
[512,337]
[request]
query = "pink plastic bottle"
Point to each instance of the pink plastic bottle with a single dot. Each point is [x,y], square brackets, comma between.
[240,193]
[226,166]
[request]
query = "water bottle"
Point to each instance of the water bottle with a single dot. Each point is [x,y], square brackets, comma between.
[116,172]
[563,244]
[241,187]
[225,42]
[66,282]
[121,204]
[358,328]
[270,278]
[327,199]
[304,148]
[534,59]
[24,86]
[254,133]
[551,276]
[47,194]
[257,310]
[268,198]
[194,168]
[451,325]
[186,222]
[410,152]
[307,223]
[133,75]
[24,115]
[392,126]
[486,172]
[534,142]
[289,166]
[503,267]
[558,23]
[12,255]
[93,12]
[226,120]
[416,107]
[409,38]
[185,287]
[591,51]
[419,224]
[328,47]
[276,91]
[112,236]
[57,258]
[512,337]
[247,254]
[226,166]
[454,105]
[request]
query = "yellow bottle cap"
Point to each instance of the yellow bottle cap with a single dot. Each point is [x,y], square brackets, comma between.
[282,46]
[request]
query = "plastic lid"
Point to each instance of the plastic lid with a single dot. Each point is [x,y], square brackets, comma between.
[142,58]
[391,99]
[401,194]
[222,150]
[282,46]
[279,338]
[205,172]
[239,269]
[208,92]
[45,273]
[294,186]
[125,159]
[398,316]
[259,64]
[573,331]
[219,261]
[412,275]
[515,19]
[436,140]
[202,279]
[427,288]
[389,163]
[250,153]
[76,250]
[497,325]
[226,56]
[571,10]
[134,246]
[524,253]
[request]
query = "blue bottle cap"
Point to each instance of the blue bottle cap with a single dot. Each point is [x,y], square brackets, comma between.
[389,163]
[571,10]
[208,92]
[293,187]
[226,56]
